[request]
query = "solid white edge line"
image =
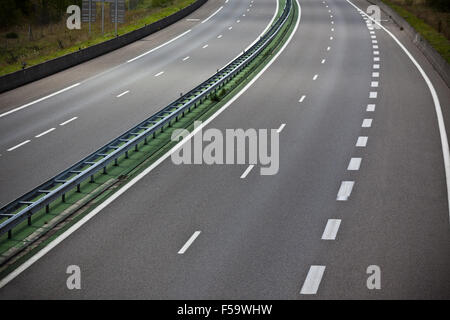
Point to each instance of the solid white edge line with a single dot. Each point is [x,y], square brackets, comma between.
[160,46]
[313,279]
[122,190]
[44,133]
[18,145]
[39,100]
[189,242]
[215,12]
[437,106]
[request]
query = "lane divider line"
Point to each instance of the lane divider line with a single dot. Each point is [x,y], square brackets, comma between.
[313,279]
[68,121]
[354,164]
[122,94]
[362,142]
[345,190]
[331,229]
[189,242]
[44,133]
[18,145]
[39,100]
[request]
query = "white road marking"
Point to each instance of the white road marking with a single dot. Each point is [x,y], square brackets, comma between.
[373,95]
[44,133]
[375,74]
[374,84]
[160,46]
[367,123]
[302,98]
[362,142]
[323,61]
[243,15]
[332,29]
[205,46]
[192,19]
[372,32]
[332,22]
[247,171]
[331,38]
[376,59]
[24,266]
[375,47]
[345,190]
[159,73]
[328,48]
[238,21]
[68,121]
[315,77]
[376,66]
[374,41]
[219,36]
[39,100]
[437,107]
[212,14]
[331,229]
[229,28]
[189,242]
[373,36]
[370,108]
[313,279]
[281,128]
[19,145]
[354,164]
[185,58]
[123,93]
[376,53]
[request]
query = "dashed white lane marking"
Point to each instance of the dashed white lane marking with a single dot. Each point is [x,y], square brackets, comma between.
[238,21]
[185,58]
[44,133]
[367,123]
[302,98]
[229,28]
[376,59]
[345,190]
[362,142]
[331,229]
[373,36]
[375,46]
[243,15]
[247,171]
[214,13]
[281,128]
[376,66]
[159,73]
[328,48]
[375,74]
[68,121]
[354,164]
[373,95]
[189,242]
[332,22]
[331,38]
[436,102]
[38,100]
[219,36]
[323,61]
[312,281]
[205,46]
[315,77]
[374,41]
[332,29]
[122,94]
[18,145]
[374,84]
[370,108]
[160,46]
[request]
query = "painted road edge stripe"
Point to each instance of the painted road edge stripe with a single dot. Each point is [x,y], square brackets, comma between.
[122,190]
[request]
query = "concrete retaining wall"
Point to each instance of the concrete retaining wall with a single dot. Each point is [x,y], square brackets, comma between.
[36,72]
[436,60]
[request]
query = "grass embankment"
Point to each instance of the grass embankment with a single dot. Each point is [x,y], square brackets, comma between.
[138,161]
[411,14]
[39,43]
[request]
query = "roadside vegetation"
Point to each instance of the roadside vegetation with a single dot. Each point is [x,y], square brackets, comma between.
[431,18]
[34,31]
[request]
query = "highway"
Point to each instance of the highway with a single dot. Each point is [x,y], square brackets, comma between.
[361,179]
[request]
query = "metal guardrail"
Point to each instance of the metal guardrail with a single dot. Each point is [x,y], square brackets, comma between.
[24,207]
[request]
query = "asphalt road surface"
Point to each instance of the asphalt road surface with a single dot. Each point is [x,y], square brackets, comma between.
[361,180]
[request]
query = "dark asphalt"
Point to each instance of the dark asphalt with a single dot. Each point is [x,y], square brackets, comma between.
[260,235]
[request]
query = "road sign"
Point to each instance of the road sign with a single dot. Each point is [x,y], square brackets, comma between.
[87,12]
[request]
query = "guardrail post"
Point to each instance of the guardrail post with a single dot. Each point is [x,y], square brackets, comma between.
[64,197]
[29,220]
[136,148]
[145,141]
[126,154]
[78,188]
[104,170]
[9,234]
[92,179]
[115,162]
[47,208]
